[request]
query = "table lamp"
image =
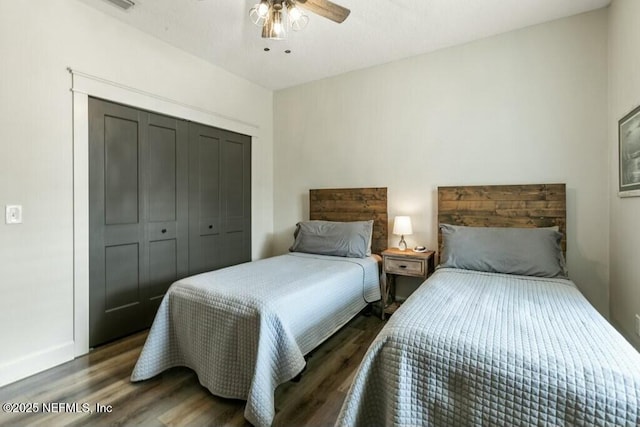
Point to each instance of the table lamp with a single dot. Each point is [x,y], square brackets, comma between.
[402,227]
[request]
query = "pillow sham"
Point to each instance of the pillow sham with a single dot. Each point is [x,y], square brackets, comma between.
[346,239]
[523,251]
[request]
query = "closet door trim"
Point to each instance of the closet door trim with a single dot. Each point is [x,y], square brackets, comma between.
[111,91]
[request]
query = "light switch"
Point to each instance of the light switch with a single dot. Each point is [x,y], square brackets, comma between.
[13,214]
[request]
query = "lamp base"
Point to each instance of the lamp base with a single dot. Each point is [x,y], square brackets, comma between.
[402,245]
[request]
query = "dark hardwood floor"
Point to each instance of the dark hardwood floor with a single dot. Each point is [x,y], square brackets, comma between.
[175,397]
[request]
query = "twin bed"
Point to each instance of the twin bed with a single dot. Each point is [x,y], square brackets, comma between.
[497,336]
[246,329]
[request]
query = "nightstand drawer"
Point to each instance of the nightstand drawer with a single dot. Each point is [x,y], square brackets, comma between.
[404,266]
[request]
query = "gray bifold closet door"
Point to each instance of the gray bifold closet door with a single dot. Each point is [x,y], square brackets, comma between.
[219,198]
[145,189]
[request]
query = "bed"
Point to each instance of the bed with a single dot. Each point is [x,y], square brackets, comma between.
[245,329]
[472,347]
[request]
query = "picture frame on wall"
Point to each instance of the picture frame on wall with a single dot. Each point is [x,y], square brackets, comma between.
[629,154]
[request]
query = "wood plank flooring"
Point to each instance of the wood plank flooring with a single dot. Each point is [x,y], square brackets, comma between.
[176,398]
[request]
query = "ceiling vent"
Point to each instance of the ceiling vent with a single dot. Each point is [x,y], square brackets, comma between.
[124,4]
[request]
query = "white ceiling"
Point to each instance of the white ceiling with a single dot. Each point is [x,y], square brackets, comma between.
[376,32]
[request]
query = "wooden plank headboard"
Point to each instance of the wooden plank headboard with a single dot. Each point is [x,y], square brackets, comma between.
[353,204]
[533,205]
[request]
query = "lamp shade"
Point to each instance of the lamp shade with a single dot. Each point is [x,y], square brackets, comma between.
[402,225]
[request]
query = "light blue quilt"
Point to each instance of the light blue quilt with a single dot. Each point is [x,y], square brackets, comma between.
[470,348]
[245,329]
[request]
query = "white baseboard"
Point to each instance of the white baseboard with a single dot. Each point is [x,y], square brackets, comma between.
[33,363]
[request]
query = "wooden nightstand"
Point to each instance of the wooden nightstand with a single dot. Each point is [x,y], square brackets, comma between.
[403,263]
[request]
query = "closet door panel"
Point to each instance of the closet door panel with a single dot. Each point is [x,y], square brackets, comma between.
[234,208]
[138,215]
[116,209]
[204,199]
[163,267]
[167,199]
[162,172]
[121,147]
[209,249]
[122,276]
[236,199]
[208,176]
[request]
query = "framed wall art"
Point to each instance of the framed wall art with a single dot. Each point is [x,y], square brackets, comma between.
[629,154]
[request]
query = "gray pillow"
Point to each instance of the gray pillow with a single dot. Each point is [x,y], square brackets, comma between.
[347,239]
[523,251]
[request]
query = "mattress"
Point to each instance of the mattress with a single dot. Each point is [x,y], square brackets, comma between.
[470,348]
[245,329]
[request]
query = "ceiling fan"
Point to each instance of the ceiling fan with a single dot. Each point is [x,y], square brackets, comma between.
[275,16]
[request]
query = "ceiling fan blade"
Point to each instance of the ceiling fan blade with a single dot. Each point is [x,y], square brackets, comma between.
[326,9]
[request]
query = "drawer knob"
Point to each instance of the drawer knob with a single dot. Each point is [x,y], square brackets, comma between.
[164,230]
[402,266]
[210,227]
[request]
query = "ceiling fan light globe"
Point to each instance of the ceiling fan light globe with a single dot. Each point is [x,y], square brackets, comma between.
[263,8]
[294,12]
[297,18]
[300,23]
[256,18]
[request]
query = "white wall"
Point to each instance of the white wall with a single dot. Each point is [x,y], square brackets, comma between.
[523,107]
[624,95]
[39,39]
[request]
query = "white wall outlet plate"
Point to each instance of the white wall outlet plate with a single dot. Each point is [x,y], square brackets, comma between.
[13,214]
